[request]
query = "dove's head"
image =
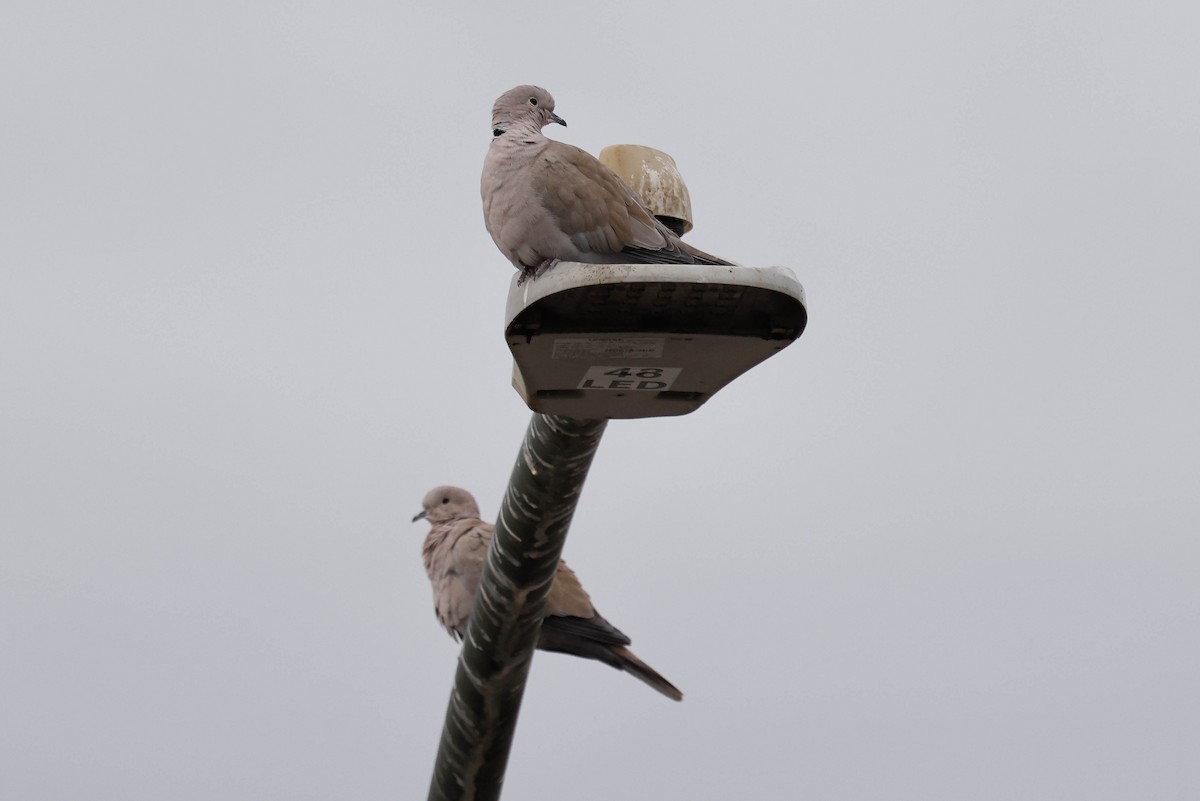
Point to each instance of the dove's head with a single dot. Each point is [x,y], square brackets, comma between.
[447,503]
[526,107]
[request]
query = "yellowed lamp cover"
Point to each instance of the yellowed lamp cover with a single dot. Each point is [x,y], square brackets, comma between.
[653,175]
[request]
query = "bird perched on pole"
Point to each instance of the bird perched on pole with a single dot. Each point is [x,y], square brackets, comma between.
[454,553]
[546,201]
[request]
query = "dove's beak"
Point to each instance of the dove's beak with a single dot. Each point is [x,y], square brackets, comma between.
[420,515]
[555,118]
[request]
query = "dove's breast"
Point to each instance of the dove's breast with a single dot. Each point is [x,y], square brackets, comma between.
[514,208]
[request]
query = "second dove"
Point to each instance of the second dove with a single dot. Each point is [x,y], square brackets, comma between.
[454,552]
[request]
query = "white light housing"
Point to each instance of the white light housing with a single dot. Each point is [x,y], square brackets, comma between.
[594,341]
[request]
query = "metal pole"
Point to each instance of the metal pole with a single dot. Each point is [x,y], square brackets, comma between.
[507,617]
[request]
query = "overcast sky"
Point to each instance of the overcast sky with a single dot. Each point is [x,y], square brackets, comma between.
[942,547]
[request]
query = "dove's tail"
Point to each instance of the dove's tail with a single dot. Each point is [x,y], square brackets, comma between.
[675,252]
[700,256]
[625,660]
[595,638]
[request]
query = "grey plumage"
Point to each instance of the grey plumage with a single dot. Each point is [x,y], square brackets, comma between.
[545,201]
[454,552]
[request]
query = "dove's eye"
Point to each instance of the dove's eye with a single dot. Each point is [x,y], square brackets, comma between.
[533,101]
[445,500]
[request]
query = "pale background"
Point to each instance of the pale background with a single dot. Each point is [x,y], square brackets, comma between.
[943,547]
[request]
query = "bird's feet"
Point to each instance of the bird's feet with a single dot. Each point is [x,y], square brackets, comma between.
[537,271]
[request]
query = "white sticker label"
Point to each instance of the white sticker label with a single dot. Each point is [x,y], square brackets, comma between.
[630,378]
[625,348]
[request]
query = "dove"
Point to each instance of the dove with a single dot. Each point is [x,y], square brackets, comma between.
[454,553]
[546,201]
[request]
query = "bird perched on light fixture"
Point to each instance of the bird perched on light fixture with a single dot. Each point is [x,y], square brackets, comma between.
[546,201]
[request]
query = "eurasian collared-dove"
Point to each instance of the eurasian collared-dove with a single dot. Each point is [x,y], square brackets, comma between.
[544,200]
[454,552]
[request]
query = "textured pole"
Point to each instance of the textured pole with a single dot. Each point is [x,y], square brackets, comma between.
[530,532]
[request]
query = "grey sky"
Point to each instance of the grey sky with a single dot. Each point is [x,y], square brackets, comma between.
[943,547]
